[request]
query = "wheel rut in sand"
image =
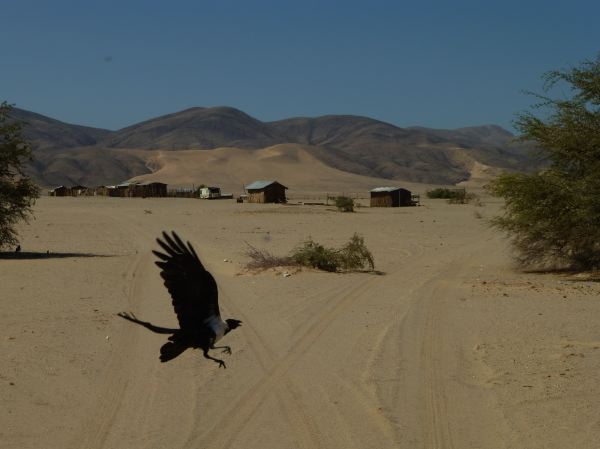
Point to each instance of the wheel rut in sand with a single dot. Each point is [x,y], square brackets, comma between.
[236,418]
[118,370]
[98,428]
[438,431]
[429,343]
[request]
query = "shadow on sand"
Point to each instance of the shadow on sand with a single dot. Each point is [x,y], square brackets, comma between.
[24,255]
[569,274]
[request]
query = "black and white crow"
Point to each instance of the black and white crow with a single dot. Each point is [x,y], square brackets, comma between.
[195,299]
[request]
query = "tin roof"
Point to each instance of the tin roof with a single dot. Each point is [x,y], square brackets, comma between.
[149,183]
[386,189]
[262,185]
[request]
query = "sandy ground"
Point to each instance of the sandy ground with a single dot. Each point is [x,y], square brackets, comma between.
[449,348]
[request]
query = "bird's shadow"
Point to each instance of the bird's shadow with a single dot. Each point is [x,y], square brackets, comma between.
[24,255]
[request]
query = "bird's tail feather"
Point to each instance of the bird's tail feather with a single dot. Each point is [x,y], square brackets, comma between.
[170,350]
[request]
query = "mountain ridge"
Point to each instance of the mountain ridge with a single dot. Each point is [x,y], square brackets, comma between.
[350,143]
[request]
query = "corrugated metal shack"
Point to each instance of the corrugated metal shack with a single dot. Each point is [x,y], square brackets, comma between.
[390,197]
[134,189]
[79,190]
[59,191]
[102,190]
[266,192]
[120,190]
[147,189]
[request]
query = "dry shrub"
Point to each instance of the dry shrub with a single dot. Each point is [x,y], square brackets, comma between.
[344,204]
[354,255]
[315,255]
[263,259]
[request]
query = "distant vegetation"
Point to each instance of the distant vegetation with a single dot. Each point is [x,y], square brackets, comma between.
[442,193]
[454,196]
[553,217]
[354,255]
[344,204]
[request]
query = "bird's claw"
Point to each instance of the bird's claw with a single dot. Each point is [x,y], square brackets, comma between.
[222,364]
[227,350]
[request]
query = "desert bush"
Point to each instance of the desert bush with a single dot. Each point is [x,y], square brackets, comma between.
[463,197]
[344,204]
[352,256]
[355,255]
[454,196]
[443,193]
[261,259]
[553,217]
[315,255]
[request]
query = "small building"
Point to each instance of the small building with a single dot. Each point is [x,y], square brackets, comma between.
[147,189]
[59,191]
[134,189]
[119,190]
[266,192]
[390,197]
[102,191]
[78,190]
[210,192]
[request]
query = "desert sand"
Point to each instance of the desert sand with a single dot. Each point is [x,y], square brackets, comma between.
[448,347]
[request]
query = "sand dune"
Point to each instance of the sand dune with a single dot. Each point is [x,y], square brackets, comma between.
[449,348]
[232,168]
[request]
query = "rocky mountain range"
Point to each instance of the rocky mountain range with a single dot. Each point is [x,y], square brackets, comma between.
[67,153]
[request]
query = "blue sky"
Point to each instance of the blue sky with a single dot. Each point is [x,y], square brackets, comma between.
[438,64]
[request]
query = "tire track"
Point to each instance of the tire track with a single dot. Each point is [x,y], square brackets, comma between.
[289,397]
[439,432]
[235,420]
[98,429]
[438,429]
[100,424]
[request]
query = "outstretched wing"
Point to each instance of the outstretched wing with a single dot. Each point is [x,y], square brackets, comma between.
[192,288]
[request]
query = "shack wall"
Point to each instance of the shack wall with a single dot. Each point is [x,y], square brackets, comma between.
[395,198]
[385,199]
[274,193]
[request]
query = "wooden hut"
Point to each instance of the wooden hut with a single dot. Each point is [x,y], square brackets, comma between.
[147,189]
[78,190]
[102,191]
[266,192]
[390,197]
[119,191]
[59,191]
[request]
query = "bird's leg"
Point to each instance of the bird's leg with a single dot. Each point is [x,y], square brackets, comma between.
[226,349]
[220,362]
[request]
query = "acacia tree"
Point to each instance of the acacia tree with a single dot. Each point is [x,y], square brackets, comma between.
[17,191]
[553,217]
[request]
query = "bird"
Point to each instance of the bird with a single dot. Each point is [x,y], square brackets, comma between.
[194,295]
